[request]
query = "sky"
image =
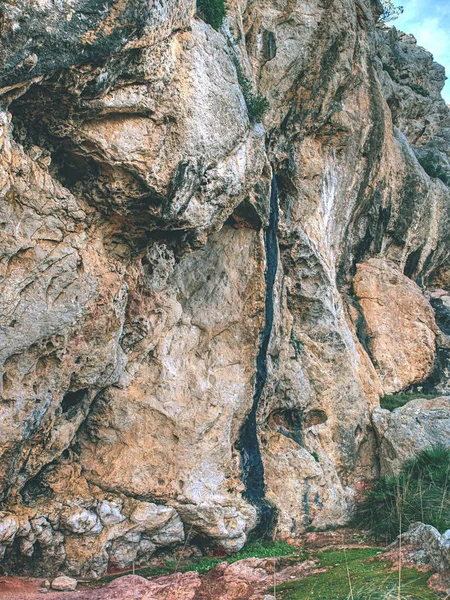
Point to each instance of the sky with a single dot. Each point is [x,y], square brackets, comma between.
[429,22]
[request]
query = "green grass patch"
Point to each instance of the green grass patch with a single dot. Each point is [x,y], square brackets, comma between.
[420,492]
[259,549]
[369,579]
[393,401]
[251,550]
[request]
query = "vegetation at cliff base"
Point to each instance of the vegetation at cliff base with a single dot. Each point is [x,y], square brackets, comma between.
[212,11]
[356,573]
[203,564]
[420,492]
[345,573]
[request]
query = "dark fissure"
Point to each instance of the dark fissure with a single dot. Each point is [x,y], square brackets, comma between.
[251,461]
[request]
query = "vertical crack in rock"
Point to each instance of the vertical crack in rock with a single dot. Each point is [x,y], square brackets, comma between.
[251,461]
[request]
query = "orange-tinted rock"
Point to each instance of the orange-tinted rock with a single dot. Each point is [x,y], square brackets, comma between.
[399,324]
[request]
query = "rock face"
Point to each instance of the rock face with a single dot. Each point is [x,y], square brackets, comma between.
[199,311]
[404,432]
[399,323]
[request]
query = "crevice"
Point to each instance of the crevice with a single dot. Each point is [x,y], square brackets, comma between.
[424,274]
[245,215]
[72,406]
[412,263]
[361,328]
[248,443]
[442,313]
[438,382]
[289,422]
[73,399]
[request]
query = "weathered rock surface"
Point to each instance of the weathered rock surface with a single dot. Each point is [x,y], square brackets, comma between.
[432,547]
[405,431]
[198,311]
[399,324]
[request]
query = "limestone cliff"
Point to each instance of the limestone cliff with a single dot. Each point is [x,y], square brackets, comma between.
[199,311]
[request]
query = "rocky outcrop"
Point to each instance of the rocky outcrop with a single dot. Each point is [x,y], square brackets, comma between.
[198,310]
[405,431]
[431,547]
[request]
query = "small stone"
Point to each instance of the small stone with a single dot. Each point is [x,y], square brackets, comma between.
[64,584]
[30,61]
[43,590]
[45,584]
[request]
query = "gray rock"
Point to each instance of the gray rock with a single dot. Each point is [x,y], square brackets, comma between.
[109,513]
[81,521]
[405,431]
[8,527]
[433,548]
[131,550]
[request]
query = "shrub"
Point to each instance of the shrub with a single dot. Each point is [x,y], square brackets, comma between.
[420,492]
[419,89]
[212,11]
[434,166]
[391,72]
[257,105]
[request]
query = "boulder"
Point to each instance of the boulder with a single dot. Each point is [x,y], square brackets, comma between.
[432,547]
[407,430]
[64,584]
